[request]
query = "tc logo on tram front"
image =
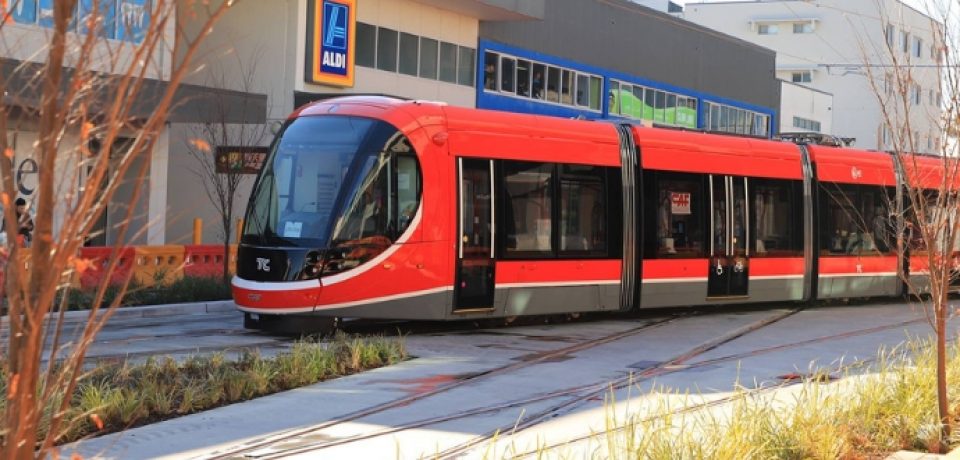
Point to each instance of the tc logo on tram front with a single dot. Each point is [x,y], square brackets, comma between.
[263,264]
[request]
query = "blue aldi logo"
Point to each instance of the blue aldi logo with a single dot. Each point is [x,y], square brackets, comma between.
[330,45]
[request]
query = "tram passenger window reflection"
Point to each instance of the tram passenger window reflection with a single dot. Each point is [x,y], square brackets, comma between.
[529,209]
[583,214]
[679,219]
[776,218]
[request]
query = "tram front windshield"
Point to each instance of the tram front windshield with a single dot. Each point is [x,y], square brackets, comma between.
[331,181]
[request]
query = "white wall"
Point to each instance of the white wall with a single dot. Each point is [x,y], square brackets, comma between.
[800,101]
[846,36]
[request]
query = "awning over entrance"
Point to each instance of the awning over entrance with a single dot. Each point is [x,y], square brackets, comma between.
[192,103]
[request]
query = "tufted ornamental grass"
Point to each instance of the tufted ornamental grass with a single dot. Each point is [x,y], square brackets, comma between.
[114,397]
[879,407]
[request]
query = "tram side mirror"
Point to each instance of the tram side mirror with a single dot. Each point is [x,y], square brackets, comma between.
[275,126]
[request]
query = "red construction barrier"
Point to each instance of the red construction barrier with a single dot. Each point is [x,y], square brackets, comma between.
[100,258]
[203,260]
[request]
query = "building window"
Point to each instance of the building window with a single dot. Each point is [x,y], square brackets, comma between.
[465,65]
[628,101]
[491,64]
[905,41]
[366,45]
[806,124]
[536,80]
[917,46]
[801,77]
[932,98]
[728,119]
[889,33]
[387,49]
[429,57]
[768,29]
[917,95]
[409,54]
[126,20]
[508,68]
[448,62]
[409,58]
[802,27]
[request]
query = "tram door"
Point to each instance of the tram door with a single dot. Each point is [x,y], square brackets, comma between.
[474,286]
[729,234]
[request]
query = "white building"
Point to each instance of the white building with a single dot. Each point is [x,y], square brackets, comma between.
[805,109]
[846,48]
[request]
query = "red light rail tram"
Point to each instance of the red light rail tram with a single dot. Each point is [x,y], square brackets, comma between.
[374,207]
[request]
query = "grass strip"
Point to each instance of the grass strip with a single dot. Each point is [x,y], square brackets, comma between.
[115,397]
[881,406]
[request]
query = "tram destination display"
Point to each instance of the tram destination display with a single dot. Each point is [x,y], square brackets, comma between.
[240,160]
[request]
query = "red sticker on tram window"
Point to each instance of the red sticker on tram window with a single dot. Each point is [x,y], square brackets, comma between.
[680,203]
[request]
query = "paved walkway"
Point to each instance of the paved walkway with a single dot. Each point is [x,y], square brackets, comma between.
[489,393]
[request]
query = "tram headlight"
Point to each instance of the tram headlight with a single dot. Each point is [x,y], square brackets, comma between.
[312,265]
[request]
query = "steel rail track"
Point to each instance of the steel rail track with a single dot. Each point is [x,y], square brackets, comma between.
[261,443]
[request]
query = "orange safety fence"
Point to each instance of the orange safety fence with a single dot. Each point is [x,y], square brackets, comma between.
[159,264]
[207,260]
[100,258]
[148,265]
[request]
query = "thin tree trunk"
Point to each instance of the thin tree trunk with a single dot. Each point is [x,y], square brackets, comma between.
[942,402]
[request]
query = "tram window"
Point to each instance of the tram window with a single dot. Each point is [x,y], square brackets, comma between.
[523,77]
[491,62]
[528,212]
[776,219]
[387,49]
[676,201]
[448,62]
[366,45]
[583,213]
[409,53]
[429,49]
[855,220]
[553,84]
[507,74]
[407,190]
[566,85]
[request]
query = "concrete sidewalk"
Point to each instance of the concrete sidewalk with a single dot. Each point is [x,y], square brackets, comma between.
[324,414]
[154,311]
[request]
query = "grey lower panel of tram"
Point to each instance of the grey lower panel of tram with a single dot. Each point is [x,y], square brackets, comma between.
[545,300]
[656,295]
[515,301]
[839,287]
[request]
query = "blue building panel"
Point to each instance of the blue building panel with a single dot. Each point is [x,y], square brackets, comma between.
[498,100]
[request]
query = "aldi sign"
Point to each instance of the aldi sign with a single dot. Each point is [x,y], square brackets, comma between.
[330,42]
